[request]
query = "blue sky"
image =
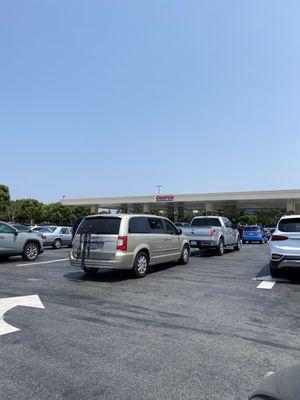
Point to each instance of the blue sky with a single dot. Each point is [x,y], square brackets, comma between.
[103,98]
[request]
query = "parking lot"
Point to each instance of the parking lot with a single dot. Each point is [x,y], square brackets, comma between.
[200,331]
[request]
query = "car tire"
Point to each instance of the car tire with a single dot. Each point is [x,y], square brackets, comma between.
[244,241]
[141,265]
[237,246]
[57,244]
[221,247]
[4,258]
[30,252]
[91,271]
[185,255]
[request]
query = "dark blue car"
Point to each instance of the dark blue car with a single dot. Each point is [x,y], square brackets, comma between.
[254,234]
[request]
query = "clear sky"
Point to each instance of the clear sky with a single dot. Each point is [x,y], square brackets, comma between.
[107,97]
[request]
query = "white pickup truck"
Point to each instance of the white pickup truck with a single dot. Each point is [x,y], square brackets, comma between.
[212,232]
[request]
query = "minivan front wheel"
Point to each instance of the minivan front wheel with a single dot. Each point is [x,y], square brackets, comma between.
[141,265]
[185,255]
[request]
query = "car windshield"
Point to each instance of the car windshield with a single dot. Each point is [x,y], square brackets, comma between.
[100,226]
[289,225]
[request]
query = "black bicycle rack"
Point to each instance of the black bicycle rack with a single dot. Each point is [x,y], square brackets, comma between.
[84,248]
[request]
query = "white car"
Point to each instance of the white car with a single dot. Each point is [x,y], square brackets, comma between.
[57,236]
[284,245]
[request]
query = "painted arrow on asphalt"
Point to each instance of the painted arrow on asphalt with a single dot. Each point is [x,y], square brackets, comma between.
[11,302]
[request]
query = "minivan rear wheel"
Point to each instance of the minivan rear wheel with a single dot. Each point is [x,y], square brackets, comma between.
[141,264]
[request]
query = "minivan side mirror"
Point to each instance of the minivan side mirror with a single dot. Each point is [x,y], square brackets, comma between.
[179,231]
[16,233]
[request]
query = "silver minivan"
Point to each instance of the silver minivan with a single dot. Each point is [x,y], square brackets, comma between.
[127,242]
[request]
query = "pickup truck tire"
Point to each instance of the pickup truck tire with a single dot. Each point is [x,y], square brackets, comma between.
[185,255]
[30,252]
[220,248]
[237,246]
[141,265]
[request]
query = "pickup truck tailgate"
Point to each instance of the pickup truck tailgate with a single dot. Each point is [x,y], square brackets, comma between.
[197,233]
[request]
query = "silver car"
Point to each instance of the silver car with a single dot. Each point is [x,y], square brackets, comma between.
[132,242]
[57,236]
[284,245]
[14,242]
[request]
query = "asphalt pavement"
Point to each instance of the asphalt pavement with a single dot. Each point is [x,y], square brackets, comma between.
[200,331]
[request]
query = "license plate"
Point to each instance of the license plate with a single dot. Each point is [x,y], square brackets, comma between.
[194,243]
[96,245]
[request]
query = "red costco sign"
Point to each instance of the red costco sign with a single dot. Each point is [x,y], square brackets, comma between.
[165,197]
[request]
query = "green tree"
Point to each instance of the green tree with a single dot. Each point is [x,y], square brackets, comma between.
[31,211]
[4,200]
[13,210]
[58,214]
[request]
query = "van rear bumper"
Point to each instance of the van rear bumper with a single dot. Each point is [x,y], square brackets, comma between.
[120,261]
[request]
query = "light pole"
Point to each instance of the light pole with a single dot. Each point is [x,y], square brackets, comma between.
[158,188]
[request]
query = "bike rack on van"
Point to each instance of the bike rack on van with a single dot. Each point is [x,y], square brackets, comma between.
[84,246]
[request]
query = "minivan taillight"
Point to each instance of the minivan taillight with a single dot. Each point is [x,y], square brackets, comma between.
[278,238]
[122,243]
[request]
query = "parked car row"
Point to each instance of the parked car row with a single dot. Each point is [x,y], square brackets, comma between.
[139,241]
[17,239]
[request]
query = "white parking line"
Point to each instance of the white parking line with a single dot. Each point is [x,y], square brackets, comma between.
[266,285]
[42,262]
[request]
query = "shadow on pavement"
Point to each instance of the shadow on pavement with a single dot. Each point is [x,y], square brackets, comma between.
[208,253]
[287,276]
[114,275]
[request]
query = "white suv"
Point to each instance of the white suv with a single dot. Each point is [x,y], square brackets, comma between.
[284,245]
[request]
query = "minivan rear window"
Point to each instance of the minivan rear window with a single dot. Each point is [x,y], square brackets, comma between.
[206,222]
[100,226]
[289,225]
